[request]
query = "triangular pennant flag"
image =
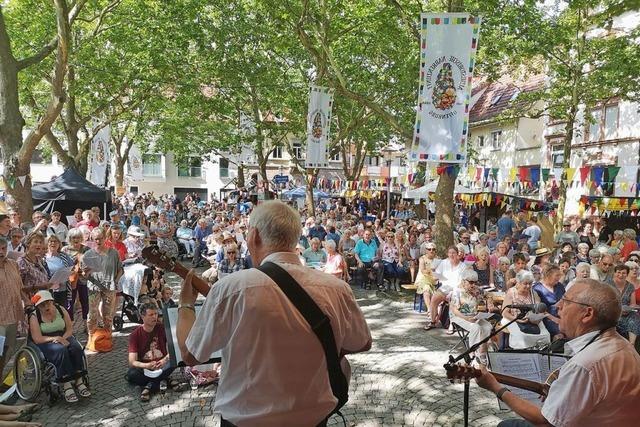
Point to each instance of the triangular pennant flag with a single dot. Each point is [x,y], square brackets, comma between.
[535,175]
[584,173]
[571,172]
[612,172]
[22,179]
[545,174]
[597,172]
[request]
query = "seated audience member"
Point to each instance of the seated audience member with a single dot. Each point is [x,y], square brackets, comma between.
[51,329]
[567,271]
[134,242]
[483,267]
[185,236]
[519,264]
[603,270]
[449,271]
[314,254]
[550,291]
[425,280]
[523,333]
[583,253]
[166,299]
[499,276]
[392,257]
[231,261]
[335,263]
[148,357]
[464,308]
[629,323]
[583,270]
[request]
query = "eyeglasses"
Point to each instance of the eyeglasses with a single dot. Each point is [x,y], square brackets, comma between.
[565,300]
[431,249]
[472,281]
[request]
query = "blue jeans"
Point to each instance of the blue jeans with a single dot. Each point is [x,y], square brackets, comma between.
[136,376]
[392,270]
[67,360]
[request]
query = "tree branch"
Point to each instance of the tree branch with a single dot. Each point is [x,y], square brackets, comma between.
[40,55]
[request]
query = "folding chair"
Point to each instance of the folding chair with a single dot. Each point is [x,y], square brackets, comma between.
[463,334]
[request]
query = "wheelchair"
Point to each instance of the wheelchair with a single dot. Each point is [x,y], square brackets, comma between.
[34,374]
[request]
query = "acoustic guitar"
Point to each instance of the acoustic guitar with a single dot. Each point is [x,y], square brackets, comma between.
[463,372]
[154,255]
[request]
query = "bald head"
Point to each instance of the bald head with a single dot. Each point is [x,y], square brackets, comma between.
[603,298]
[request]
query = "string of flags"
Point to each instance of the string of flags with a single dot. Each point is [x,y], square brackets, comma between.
[11,181]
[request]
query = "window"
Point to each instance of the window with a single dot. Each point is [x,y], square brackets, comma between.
[277,152]
[594,125]
[611,122]
[603,124]
[335,157]
[224,168]
[481,141]
[557,156]
[372,161]
[152,164]
[496,99]
[297,150]
[496,137]
[190,167]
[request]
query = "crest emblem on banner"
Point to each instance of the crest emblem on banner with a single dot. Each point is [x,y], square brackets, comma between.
[100,152]
[444,88]
[135,162]
[317,125]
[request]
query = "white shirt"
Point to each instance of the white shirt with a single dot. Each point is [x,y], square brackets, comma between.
[533,232]
[275,372]
[450,277]
[599,386]
[60,230]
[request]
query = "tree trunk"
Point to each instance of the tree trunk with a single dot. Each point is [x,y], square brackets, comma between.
[566,163]
[445,211]
[11,124]
[119,175]
[311,209]
[240,178]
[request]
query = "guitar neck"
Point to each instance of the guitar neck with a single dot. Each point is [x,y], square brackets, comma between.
[533,386]
[197,282]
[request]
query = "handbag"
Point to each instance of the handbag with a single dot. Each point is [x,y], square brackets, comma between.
[320,325]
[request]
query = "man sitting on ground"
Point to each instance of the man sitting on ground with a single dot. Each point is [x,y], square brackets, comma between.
[148,357]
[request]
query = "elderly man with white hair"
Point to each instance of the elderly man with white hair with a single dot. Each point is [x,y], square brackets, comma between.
[275,370]
[600,384]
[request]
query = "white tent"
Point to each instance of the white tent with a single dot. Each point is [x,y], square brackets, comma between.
[424,191]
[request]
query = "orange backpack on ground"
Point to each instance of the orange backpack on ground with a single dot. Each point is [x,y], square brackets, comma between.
[100,341]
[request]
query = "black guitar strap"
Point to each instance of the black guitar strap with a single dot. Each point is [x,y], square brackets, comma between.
[320,325]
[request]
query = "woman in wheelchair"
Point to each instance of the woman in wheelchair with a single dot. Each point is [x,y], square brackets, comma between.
[50,328]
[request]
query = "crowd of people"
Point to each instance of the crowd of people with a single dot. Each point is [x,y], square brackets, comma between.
[500,265]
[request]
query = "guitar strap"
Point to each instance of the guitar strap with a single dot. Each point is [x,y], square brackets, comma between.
[320,325]
[595,337]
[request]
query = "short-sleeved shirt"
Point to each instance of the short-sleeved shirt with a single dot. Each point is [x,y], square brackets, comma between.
[111,265]
[598,386]
[10,289]
[366,251]
[150,346]
[257,328]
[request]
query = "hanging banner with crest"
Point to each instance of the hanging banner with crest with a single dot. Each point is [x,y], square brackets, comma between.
[247,130]
[318,126]
[135,163]
[100,157]
[447,56]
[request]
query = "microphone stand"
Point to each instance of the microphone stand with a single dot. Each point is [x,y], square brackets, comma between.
[467,358]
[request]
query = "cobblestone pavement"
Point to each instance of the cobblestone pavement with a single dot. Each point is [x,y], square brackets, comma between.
[399,382]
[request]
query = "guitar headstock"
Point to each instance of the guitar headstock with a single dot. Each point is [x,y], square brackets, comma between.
[158,258]
[461,372]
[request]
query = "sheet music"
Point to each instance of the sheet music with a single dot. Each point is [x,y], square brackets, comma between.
[94,263]
[483,315]
[526,365]
[61,276]
[170,319]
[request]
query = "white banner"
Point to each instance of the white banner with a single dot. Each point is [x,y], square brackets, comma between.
[318,126]
[135,163]
[100,156]
[448,50]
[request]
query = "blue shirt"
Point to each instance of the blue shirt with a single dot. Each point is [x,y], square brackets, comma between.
[200,234]
[550,299]
[505,227]
[366,252]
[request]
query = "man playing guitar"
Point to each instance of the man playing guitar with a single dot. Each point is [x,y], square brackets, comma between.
[600,384]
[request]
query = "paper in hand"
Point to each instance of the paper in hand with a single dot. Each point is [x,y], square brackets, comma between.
[483,316]
[61,276]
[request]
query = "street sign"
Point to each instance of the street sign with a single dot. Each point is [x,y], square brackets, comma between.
[281,179]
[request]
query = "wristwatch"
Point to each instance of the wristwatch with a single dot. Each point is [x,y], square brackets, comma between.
[501,393]
[189,306]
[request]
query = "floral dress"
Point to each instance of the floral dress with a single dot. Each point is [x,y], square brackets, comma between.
[166,244]
[32,274]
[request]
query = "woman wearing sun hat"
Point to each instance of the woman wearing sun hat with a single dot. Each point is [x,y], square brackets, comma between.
[51,330]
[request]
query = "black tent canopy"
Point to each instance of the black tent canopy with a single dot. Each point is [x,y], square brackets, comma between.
[69,192]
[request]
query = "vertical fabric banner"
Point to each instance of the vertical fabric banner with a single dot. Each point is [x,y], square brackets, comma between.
[318,125]
[100,156]
[447,56]
[135,163]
